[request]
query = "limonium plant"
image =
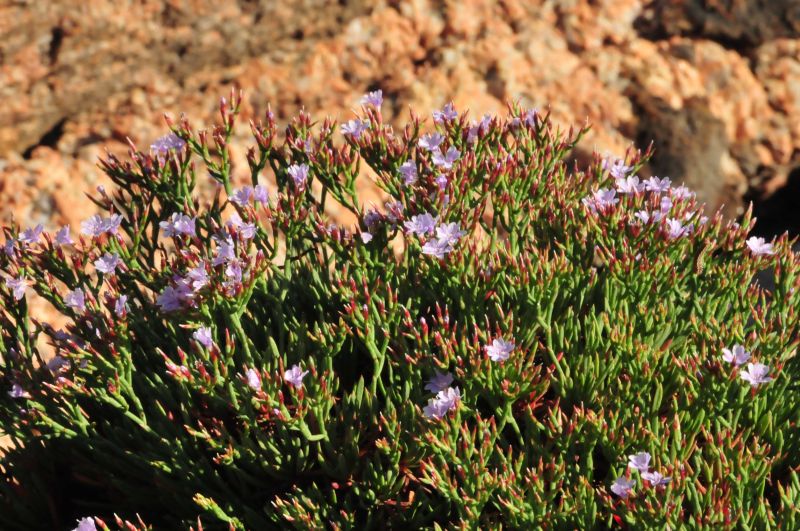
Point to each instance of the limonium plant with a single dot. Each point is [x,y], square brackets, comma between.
[509,341]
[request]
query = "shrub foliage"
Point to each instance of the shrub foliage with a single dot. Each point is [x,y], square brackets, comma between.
[510,341]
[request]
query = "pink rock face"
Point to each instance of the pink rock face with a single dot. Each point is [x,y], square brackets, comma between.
[75,80]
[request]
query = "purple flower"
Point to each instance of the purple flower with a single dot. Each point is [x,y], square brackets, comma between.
[446,237]
[242,196]
[656,479]
[93,226]
[253,379]
[759,247]
[178,224]
[666,204]
[108,264]
[682,192]
[31,236]
[163,145]
[756,374]
[486,121]
[499,350]
[234,271]
[245,230]
[629,185]
[63,237]
[421,224]
[225,251]
[197,277]
[96,226]
[111,225]
[9,247]
[531,116]
[736,355]
[441,182]
[294,376]
[445,400]
[643,216]
[182,224]
[121,306]
[605,198]
[86,524]
[449,233]
[394,210]
[617,169]
[355,128]
[169,300]
[57,364]
[436,248]
[654,184]
[204,336]
[18,392]
[366,237]
[76,300]
[447,114]
[446,160]
[260,194]
[601,200]
[675,229]
[308,145]
[233,274]
[409,172]
[17,286]
[472,133]
[61,335]
[640,461]
[622,487]
[374,98]
[372,218]
[299,175]
[431,141]
[439,382]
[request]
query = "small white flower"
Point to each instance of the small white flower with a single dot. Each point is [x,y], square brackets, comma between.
[445,400]
[756,374]
[499,350]
[736,355]
[759,247]
[253,379]
[656,479]
[439,382]
[294,376]
[622,487]
[640,461]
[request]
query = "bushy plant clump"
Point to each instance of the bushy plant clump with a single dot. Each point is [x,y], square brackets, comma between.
[508,342]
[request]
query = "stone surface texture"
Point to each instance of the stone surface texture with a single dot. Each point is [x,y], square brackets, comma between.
[715,85]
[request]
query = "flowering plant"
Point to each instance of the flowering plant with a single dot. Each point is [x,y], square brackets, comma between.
[508,342]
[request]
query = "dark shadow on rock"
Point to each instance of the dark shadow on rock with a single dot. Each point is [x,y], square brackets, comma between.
[780,212]
[776,214]
[739,25]
[688,143]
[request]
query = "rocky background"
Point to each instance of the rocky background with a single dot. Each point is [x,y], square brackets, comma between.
[715,84]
